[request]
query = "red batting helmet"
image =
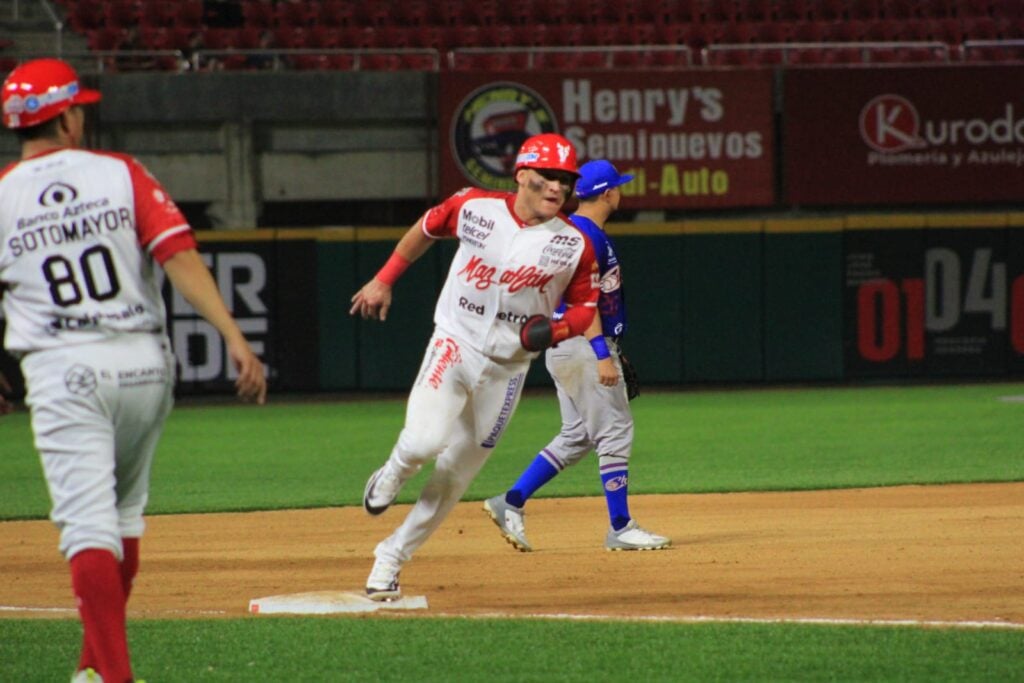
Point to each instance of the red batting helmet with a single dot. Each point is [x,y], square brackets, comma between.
[548,150]
[41,89]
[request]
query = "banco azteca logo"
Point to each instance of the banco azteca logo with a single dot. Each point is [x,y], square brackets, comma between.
[57,193]
[890,123]
[490,126]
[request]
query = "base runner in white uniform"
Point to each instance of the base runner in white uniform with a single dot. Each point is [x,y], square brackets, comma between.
[588,374]
[79,234]
[517,258]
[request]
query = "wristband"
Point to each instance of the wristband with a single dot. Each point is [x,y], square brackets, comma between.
[600,347]
[393,269]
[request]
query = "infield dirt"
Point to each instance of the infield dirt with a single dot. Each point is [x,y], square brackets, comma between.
[938,553]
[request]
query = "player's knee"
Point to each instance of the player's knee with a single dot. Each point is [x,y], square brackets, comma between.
[417,447]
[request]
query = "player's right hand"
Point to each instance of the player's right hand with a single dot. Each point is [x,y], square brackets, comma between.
[372,301]
[6,407]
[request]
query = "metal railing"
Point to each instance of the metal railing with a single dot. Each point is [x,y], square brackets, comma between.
[1012,48]
[271,59]
[609,55]
[864,49]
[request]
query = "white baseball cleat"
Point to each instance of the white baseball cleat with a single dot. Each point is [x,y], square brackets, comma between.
[382,584]
[632,537]
[382,489]
[511,521]
[87,675]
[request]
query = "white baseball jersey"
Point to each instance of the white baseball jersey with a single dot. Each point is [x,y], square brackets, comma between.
[78,234]
[505,271]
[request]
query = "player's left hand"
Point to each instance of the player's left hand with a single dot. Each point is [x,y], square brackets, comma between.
[251,383]
[372,301]
[607,373]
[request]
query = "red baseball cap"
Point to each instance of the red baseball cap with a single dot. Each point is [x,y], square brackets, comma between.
[547,151]
[41,89]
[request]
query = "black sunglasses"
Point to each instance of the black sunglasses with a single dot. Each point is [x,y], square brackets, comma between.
[562,177]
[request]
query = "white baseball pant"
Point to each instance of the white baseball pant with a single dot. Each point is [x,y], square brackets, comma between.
[458,409]
[97,413]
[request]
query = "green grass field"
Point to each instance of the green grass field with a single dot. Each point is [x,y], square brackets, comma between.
[319,453]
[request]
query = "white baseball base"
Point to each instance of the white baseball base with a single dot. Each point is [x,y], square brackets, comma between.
[330,602]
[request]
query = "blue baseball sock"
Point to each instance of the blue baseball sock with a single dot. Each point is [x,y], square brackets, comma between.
[533,477]
[615,485]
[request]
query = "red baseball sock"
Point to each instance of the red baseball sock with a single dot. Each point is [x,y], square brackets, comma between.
[129,568]
[129,565]
[96,580]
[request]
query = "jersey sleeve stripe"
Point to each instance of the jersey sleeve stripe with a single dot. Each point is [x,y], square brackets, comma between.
[166,234]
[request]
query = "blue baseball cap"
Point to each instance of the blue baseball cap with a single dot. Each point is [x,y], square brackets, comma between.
[597,176]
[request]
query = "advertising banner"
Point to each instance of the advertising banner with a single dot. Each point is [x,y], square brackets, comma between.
[270,288]
[693,139]
[936,301]
[927,134]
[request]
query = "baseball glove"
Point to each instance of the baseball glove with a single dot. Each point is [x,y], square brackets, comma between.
[630,377]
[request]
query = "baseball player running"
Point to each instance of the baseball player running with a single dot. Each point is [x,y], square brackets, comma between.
[588,378]
[79,232]
[517,258]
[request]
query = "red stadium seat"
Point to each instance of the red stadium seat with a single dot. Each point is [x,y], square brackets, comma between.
[303,13]
[844,55]
[121,13]
[730,57]
[190,13]
[771,32]
[792,10]
[460,36]
[731,33]
[884,31]
[106,38]
[394,36]
[981,28]
[637,34]
[972,8]
[436,37]
[479,13]
[324,36]
[220,38]
[157,13]
[714,11]
[419,62]
[445,12]
[550,12]
[361,37]
[752,11]
[829,10]
[811,32]
[287,37]
[848,31]
[411,12]
[376,13]
[380,62]
[85,16]
[865,9]
[337,12]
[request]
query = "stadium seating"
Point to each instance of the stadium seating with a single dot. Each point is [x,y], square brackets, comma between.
[449,24]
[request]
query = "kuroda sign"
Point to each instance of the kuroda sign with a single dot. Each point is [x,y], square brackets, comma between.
[906,135]
[691,138]
[892,128]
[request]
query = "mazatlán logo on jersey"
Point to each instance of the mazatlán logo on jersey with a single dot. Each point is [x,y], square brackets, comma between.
[490,126]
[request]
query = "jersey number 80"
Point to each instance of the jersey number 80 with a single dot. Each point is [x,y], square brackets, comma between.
[96,267]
